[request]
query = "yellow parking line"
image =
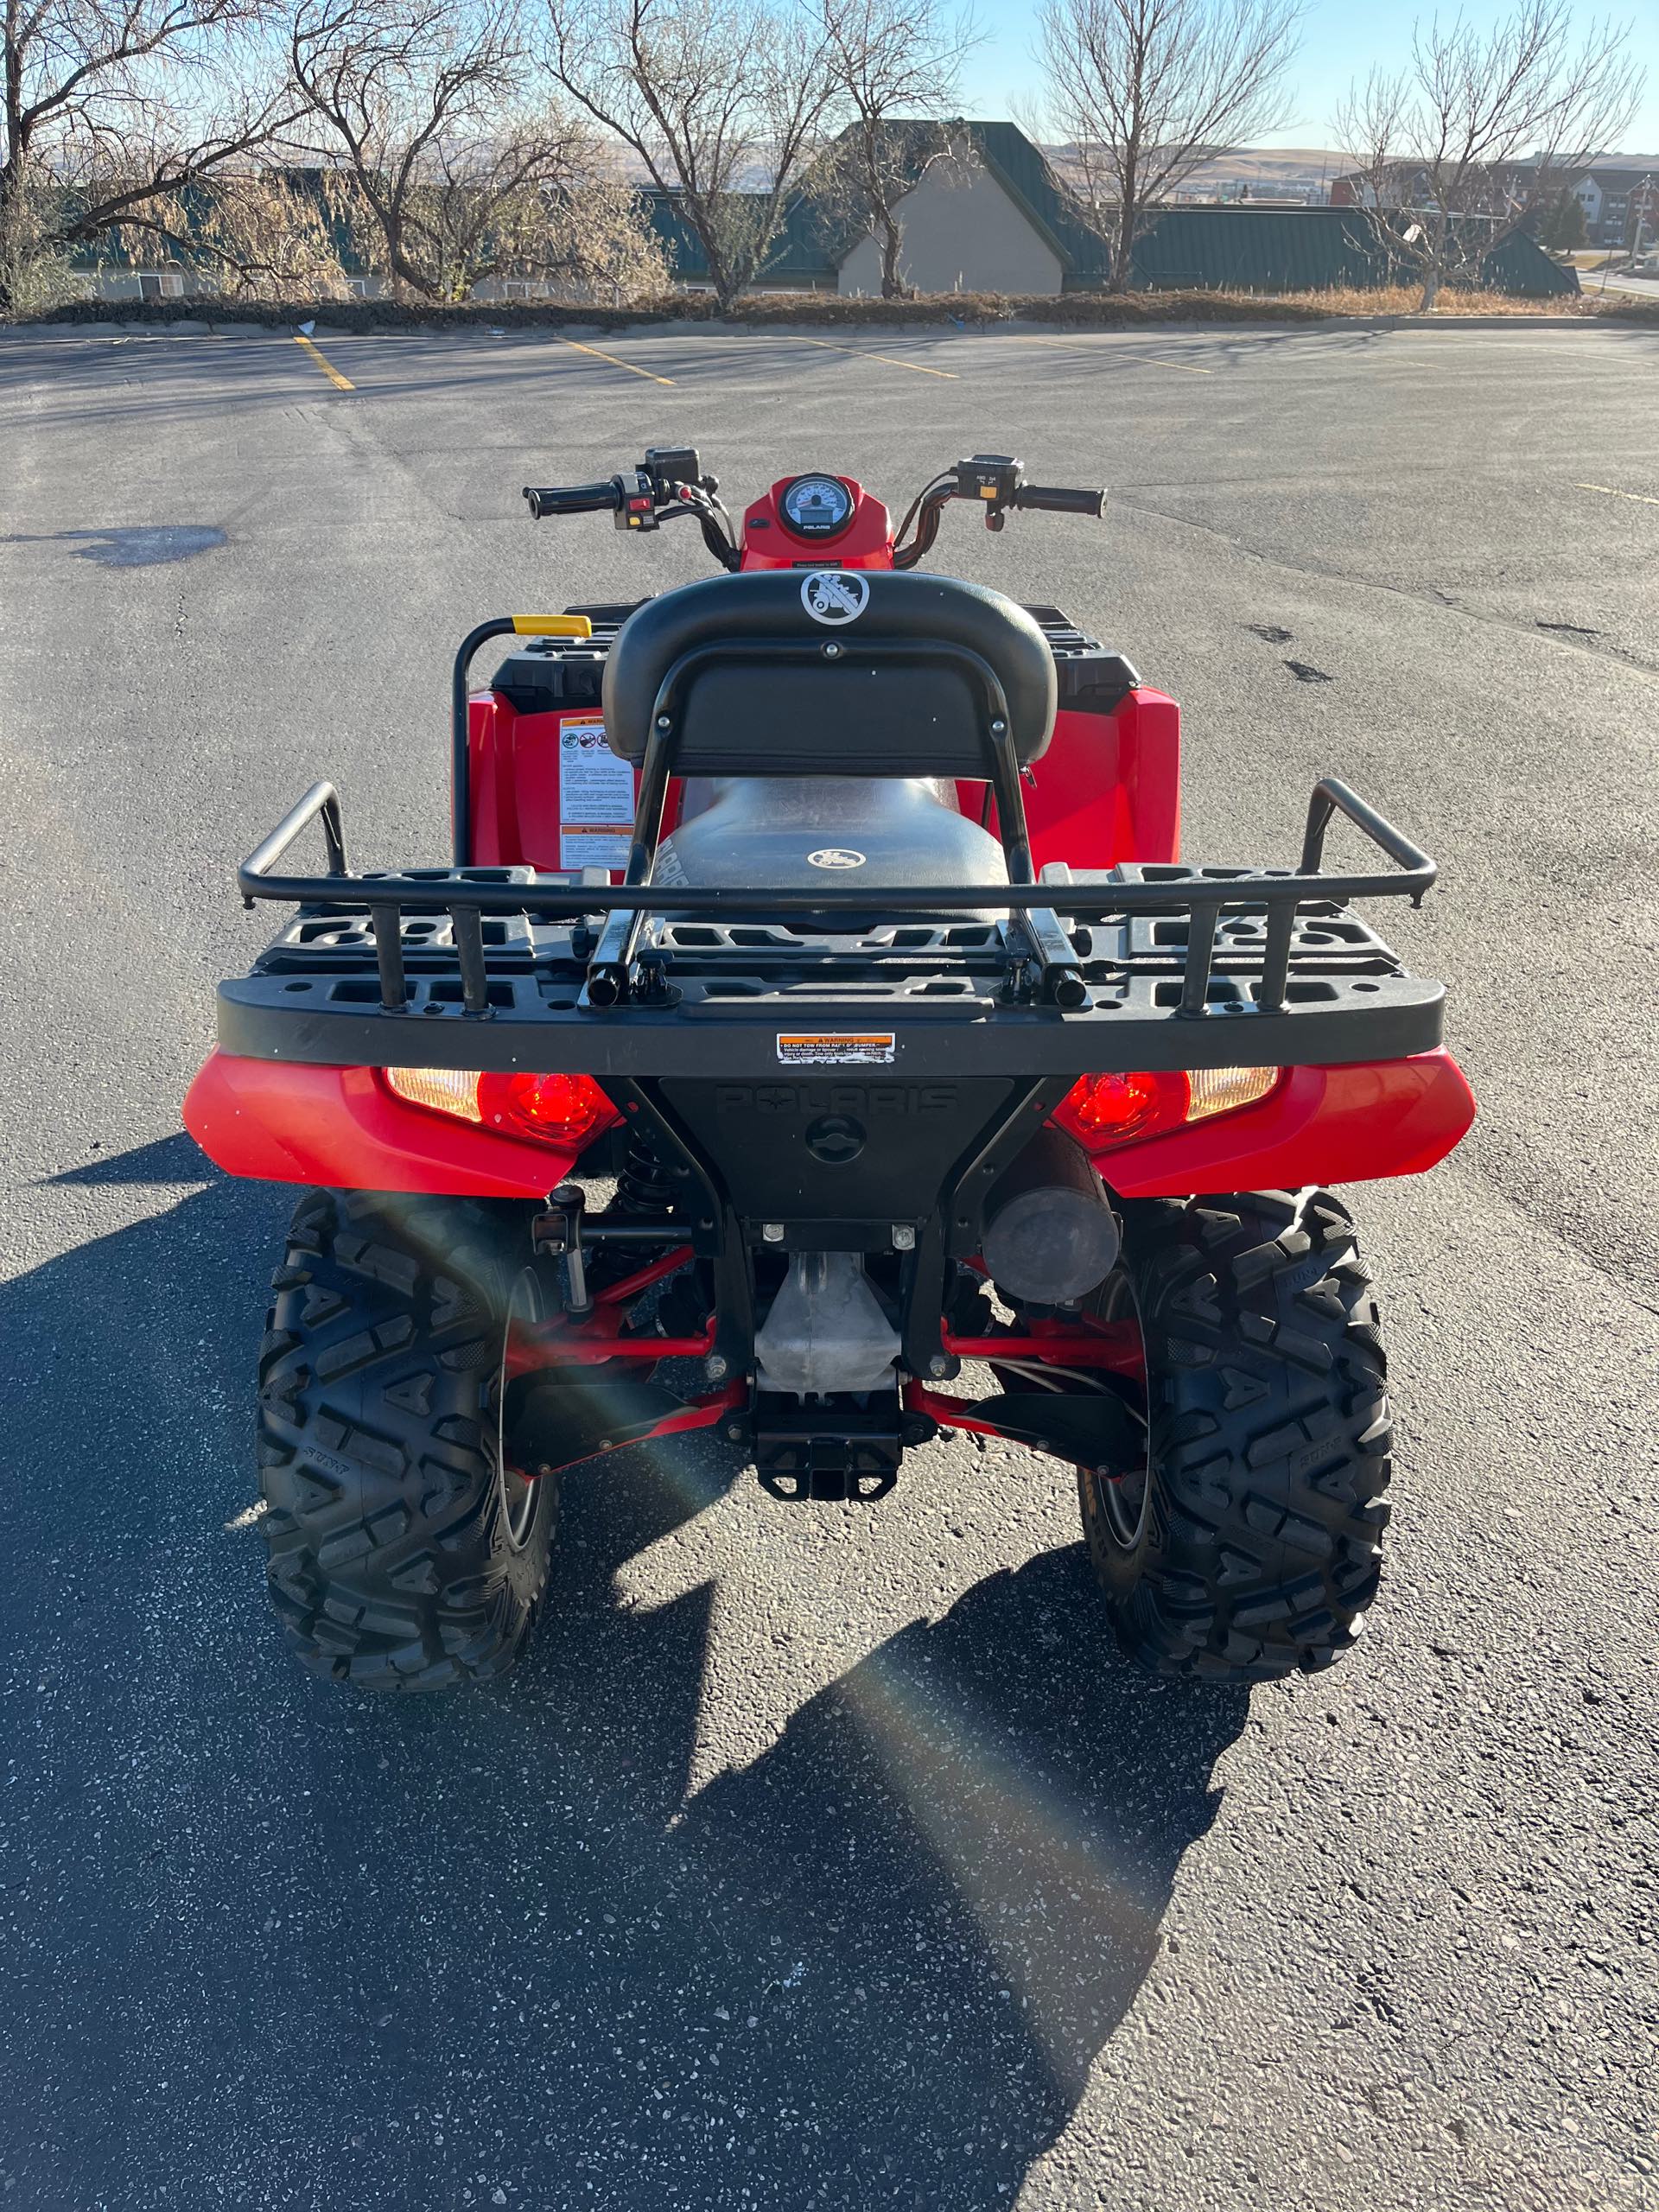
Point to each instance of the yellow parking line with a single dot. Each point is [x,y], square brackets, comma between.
[1151,360]
[1613,493]
[650,375]
[858,352]
[340,382]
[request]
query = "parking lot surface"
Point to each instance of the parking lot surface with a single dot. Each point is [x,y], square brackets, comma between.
[830,1856]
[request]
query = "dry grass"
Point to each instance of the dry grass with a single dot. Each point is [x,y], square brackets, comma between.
[1072,310]
[1403,299]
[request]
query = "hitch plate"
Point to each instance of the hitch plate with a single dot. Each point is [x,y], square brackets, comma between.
[833,1453]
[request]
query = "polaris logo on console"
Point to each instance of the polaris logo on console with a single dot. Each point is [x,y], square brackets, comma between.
[869,1100]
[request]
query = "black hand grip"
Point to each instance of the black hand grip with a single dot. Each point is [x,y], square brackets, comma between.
[574,498]
[1059,500]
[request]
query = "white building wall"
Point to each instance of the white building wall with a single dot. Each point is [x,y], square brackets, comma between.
[962,233]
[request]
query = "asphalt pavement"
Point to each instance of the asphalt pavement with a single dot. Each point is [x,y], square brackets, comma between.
[830,1856]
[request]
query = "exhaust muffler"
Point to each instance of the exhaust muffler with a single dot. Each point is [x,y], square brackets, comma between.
[1050,1232]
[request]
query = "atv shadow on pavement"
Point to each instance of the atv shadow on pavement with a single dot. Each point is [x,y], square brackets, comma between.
[282,1943]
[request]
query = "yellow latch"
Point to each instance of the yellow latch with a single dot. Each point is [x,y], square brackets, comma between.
[552,625]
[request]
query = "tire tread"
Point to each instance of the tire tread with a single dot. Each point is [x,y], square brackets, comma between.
[1269,1422]
[386,1558]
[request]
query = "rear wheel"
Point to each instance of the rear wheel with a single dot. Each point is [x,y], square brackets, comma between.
[404,1551]
[1248,1545]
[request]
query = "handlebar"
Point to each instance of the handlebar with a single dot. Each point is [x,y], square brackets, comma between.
[574,498]
[668,485]
[1059,500]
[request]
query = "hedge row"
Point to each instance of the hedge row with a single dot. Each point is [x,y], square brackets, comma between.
[1079,310]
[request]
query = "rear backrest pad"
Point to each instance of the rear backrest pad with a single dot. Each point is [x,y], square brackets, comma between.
[830,717]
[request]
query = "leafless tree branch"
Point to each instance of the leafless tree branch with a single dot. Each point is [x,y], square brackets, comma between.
[896,69]
[448,176]
[1478,132]
[721,100]
[1144,91]
[110,105]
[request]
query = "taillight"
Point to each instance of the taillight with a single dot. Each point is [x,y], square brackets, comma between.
[1101,1110]
[563,1111]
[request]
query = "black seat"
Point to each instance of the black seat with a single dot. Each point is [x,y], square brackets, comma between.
[810,831]
[898,698]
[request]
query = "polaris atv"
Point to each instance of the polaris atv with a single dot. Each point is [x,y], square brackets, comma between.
[818,1039]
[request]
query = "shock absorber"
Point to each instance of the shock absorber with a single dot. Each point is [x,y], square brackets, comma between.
[646,1186]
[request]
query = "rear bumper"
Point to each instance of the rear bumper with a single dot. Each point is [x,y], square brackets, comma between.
[289,1122]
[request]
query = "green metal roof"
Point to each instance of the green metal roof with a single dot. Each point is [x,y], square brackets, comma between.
[1247,249]
[1235,248]
[802,253]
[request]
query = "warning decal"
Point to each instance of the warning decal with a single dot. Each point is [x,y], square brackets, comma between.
[595,799]
[837,1049]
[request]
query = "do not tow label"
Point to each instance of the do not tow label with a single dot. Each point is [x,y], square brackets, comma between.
[864,1048]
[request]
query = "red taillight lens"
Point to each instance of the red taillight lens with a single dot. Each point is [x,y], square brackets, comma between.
[1102,1109]
[561,1109]
[564,1111]
[1107,1110]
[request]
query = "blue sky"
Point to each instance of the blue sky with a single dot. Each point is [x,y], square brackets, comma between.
[1340,40]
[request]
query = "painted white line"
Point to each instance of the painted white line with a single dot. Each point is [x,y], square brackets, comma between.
[1613,493]
[916,367]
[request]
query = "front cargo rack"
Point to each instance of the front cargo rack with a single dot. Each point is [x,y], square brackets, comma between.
[1158,966]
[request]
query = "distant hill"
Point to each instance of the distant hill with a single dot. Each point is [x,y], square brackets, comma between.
[1265,165]
[1266,172]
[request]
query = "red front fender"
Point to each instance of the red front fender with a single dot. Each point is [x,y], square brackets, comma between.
[283,1122]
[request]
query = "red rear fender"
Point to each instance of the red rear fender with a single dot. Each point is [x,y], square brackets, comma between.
[280,1121]
[1320,1125]
[283,1122]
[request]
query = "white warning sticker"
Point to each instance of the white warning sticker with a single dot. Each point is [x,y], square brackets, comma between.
[595,799]
[837,1049]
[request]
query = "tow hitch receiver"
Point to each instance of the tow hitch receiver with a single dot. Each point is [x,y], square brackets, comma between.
[830,1452]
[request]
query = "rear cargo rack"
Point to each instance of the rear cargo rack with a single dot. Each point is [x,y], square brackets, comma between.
[1174,966]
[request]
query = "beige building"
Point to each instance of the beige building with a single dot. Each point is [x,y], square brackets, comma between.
[962,233]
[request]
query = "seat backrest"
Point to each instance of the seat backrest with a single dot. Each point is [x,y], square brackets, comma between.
[896,695]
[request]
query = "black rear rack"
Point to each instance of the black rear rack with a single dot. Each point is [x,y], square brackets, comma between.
[1174,966]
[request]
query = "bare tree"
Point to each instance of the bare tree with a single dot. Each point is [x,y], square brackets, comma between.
[1468,141]
[445,177]
[896,67]
[1144,92]
[113,105]
[260,233]
[721,100]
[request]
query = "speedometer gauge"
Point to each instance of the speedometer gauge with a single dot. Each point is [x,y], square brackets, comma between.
[817,507]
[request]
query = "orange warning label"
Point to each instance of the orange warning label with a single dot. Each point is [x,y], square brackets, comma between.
[838,1049]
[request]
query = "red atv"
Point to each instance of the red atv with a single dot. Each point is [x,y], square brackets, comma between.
[817,1012]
